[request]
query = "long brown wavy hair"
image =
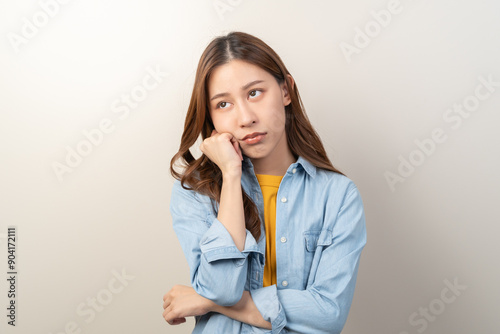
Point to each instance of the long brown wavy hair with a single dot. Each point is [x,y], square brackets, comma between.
[204,176]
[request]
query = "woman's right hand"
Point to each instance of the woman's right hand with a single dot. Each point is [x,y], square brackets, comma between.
[224,150]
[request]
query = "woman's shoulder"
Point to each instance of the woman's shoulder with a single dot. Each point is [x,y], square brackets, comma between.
[338,192]
[336,187]
[334,181]
[183,191]
[325,178]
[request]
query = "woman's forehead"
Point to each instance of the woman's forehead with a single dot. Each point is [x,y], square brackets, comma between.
[234,75]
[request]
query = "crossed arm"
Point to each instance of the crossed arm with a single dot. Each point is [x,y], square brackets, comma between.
[183,301]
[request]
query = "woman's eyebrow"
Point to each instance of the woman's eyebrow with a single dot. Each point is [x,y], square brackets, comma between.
[242,88]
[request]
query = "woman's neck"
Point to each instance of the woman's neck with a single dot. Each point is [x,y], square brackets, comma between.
[273,164]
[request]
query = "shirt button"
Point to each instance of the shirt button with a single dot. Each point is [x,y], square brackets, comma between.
[294,170]
[283,239]
[283,199]
[284,283]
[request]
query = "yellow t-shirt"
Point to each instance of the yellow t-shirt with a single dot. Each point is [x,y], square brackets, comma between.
[269,185]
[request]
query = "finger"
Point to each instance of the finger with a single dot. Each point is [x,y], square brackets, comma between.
[167,315]
[178,321]
[236,146]
[171,319]
[225,136]
[240,153]
[167,300]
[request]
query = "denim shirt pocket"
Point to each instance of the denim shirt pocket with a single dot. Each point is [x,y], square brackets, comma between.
[315,242]
[315,238]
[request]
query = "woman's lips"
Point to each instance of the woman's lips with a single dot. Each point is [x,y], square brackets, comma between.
[254,140]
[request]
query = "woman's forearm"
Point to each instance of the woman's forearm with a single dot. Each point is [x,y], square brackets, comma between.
[244,311]
[231,213]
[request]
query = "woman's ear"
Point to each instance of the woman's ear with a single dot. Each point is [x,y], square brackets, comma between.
[286,92]
[292,82]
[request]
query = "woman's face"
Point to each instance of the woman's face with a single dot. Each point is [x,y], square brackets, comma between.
[246,100]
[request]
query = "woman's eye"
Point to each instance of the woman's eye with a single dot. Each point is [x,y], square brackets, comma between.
[222,105]
[255,93]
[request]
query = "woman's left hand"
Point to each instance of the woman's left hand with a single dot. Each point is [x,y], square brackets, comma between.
[183,301]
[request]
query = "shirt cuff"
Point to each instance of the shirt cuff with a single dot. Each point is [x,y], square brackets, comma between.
[217,244]
[269,306]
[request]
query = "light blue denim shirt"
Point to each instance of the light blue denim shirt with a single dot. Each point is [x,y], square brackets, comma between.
[320,233]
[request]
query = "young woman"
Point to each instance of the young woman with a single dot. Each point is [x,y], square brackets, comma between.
[272,232]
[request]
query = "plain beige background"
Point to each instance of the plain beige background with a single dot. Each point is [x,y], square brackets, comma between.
[71,71]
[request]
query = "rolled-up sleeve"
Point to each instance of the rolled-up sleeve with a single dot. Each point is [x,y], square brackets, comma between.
[218,270]
[267,302]
[324,305]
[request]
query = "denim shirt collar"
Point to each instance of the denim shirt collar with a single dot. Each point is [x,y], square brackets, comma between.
[300,163]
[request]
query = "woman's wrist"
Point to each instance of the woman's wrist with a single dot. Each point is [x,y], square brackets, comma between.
[234,175]
[213,307]
[244,311]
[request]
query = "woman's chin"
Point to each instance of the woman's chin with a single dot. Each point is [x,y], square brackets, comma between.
[254,155]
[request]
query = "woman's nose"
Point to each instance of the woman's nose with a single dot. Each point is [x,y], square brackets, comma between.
[246,116]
